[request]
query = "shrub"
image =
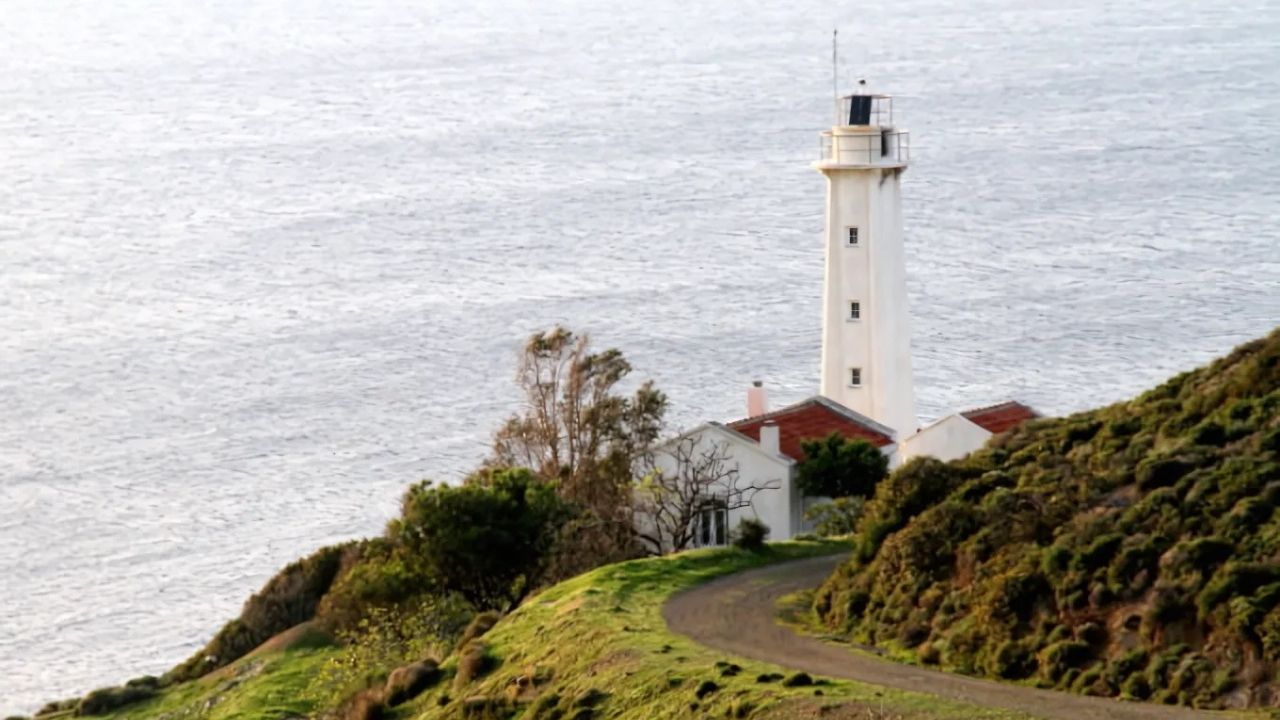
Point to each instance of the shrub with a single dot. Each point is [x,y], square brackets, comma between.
[1013,661]
[1098,554]
[750,535]
[480,625]
[104,700]
[705,688]
[1162,472]
[837,467]
[798,680]
[1055,560]
[473,661]
[835,518]
[1236,579]
[379,573]
[408,681]
[1136,687]
[58,706]
[289,598]
[488,542]
[1055,660]
[908,491]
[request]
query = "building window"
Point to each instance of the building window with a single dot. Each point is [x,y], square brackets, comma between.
[852,237]
[855,377]
[855,310]
[712,525]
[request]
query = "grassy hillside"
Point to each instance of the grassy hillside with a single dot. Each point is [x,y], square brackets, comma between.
[595,646]
[1128,551]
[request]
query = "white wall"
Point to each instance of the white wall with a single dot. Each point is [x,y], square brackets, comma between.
[772,507]
[867,196]
[950,438]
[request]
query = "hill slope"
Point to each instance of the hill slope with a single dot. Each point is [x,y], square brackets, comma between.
[591,647]
[1132,550]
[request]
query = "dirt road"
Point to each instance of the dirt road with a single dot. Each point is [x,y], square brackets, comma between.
[737,614]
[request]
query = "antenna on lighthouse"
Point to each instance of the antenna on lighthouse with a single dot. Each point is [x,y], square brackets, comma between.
[835,71]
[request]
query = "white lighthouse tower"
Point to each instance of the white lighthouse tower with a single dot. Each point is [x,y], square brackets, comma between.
[866,338]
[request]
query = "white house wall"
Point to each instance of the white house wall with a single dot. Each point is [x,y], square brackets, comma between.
[755,467]
[950,438]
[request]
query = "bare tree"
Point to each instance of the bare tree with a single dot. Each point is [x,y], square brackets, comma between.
[682,480]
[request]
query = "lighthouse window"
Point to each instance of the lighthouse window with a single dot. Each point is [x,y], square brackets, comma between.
[855,310]
[855,377]
[853,237]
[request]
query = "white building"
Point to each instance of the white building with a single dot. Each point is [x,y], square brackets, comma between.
[866,387]
[763,452]
[959,434]
[866,328]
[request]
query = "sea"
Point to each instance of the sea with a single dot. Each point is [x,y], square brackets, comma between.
[265,263]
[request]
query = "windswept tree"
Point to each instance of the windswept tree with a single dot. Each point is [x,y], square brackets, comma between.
[577,427]
[684,484]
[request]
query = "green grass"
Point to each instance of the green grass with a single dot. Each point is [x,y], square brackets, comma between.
[604,632]
[267,686]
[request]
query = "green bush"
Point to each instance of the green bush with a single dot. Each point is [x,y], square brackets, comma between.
[1062,528]
[105,700]
[490,543]
[907,492]
[479,625]
[1013,661]
[750,535]
[835,518]
[1163,472]
[58,706]
[408,681]
[289,598]
[1056,659]
[838,467]
[1234,580]
[474,661]
[797,680]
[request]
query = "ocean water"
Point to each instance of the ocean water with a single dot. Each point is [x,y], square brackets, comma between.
[263,264]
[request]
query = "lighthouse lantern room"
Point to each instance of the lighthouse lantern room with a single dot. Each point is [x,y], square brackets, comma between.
[866,338]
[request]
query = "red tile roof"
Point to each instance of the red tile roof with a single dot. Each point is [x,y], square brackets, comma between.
[996,419]
[812,419]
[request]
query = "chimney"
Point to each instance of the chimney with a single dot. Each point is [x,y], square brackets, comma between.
[757,400]
[769,437]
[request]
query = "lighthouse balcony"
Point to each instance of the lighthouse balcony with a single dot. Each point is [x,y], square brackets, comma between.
[863,146]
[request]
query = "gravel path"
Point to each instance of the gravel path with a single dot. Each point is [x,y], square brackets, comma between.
[737,614]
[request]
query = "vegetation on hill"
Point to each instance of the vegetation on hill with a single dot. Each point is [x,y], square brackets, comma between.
[595,646]
[1129,551]
[555,498]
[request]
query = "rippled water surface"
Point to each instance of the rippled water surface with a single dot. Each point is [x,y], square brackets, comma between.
[264,263]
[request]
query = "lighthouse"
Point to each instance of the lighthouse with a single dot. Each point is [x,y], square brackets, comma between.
[866,335]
